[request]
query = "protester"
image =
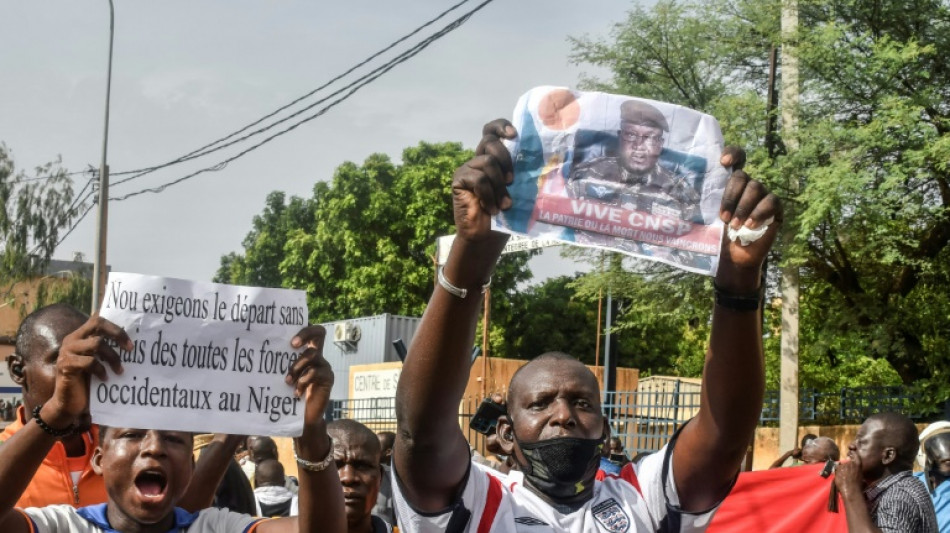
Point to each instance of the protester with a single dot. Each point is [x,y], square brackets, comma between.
[357,453]
[66,475]
[795,453]
[259,448]
[146,471]
[386,441]
[235,492]
[263,448]
[555,426]
[936,473]
[272,496]
[813,450]
[384,501]
[876,484]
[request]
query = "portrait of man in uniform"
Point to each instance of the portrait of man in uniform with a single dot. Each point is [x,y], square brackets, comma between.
[634,178]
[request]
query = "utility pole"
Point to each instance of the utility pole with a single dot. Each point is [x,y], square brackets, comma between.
[788,395]
[102,213]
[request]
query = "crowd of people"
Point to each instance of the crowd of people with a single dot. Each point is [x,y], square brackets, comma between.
[559,468]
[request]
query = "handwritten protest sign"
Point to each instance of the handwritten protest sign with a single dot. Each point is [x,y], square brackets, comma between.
[206,357]
[625,174]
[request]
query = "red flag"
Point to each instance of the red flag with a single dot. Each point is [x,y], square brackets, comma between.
[789,500]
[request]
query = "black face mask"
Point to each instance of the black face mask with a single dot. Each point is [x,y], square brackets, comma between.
[562,468]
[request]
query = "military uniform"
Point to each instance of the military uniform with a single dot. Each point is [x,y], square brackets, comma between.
[658,192]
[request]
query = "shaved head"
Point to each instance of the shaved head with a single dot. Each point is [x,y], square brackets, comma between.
[269,473]
[345,430]
[901,434]
[41,325]
[522,377]
[819,450]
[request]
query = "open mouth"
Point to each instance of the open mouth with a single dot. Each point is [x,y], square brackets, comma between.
[151,484]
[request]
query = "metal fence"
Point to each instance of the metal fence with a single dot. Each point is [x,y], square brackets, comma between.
[645,420]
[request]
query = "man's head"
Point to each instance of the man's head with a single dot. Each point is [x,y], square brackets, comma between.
[269,473]
[641,136]
[357,453]
[261,448]
[38,339]
[145,473]
[616,446]
[937,448]
[387,439]
[553,397]
[807,438]
[819,450]
[886,443]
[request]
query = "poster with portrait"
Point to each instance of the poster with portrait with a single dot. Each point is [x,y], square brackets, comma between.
[625,174]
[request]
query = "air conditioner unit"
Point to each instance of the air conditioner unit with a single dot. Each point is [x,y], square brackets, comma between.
[339,332]
[346,335]
[353,333]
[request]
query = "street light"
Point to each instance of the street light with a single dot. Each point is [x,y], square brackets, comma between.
[102,214]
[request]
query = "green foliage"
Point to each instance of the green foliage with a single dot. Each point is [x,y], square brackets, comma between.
[871,216]
[75,289]
[363,244]
[34,210]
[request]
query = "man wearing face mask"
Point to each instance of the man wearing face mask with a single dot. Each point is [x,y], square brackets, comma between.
[555,427]
[936,474]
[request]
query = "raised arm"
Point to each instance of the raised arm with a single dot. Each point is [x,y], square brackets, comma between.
[795,453]
[83,353]
[710,449]
[431,455]
[321,495]
[209,471]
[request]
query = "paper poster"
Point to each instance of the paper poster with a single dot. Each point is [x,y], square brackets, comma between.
[207,357]
[620,173]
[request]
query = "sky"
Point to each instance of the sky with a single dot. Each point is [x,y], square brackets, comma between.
[186,73]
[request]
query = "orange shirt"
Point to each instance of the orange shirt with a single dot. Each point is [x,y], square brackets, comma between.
[52,483]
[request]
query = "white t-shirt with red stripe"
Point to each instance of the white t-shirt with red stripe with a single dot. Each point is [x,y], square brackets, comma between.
[633,502]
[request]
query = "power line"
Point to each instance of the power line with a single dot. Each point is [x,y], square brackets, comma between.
[76,203]
[204,150]
[207,149]
[354,87]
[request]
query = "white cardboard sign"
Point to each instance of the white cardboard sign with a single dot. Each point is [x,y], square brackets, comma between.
[207,357]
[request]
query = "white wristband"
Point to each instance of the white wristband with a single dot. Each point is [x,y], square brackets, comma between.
[457,291]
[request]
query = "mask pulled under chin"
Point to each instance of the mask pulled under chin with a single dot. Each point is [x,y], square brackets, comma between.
[563,467]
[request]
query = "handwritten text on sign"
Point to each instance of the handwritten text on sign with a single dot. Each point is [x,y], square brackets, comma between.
[206,357]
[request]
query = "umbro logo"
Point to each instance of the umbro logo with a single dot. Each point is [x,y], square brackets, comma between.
[529,521]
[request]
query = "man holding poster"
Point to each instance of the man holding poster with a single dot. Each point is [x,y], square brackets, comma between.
[146,471]
[555,427]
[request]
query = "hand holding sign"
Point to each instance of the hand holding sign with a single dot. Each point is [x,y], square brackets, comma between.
[745,203]
[479,187]
[82,354]
[311,373]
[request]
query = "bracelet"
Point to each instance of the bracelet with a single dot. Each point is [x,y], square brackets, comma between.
[738,302]
[457,291]
[312,466]
[68,430]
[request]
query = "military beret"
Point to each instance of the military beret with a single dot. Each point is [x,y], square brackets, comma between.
[636,112]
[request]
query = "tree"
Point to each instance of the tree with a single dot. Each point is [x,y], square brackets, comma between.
[36,209]
[264,244]
[872,222]
[363,244]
